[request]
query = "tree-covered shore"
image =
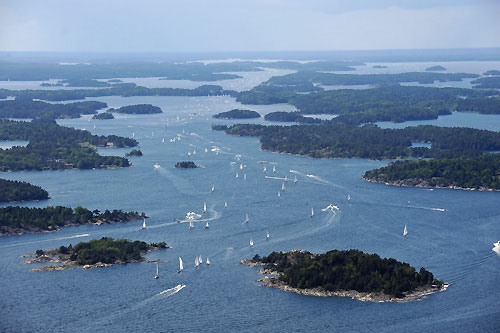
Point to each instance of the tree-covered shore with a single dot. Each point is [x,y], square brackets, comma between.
[24,220]
[348,270]
[16,191]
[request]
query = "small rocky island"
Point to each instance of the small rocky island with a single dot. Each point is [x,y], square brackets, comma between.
[350,273]
[237,114]
[137,109]
[24,220]
[96,253]
[435,68]
[103,116]
[134,152]
[186,165]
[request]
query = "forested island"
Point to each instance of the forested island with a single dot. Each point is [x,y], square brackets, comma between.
[369,141]
[24,220]
[237,114]
[54,147]
[435,68]
[134,152]
[96,253]
[27,108]
[492,72]
[489,82]
[471,173]
[137,109]
[350,273]
[77,83]
[291,117]
[16,191]
[186,165]
[103,116]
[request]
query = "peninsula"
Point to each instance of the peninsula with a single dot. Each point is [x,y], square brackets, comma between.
[349,273]
[96,253]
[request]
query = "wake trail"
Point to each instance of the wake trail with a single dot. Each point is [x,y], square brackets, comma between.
[45,240]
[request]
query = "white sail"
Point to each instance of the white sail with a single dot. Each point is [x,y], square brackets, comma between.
[181,266]
[206,150]
[241,166]
[283,186]
[279,194]
[196,262]
[157,275]
[265,169]
[191,225]
[144,224]
[244,176]
[312,212]
[246,218]
[274,168]
[200,261]
[251,243]
[162,140]
[267,235]
[208,261]
[286,179]
[295,179]
[213,187]
[348,197]
[236,176]
[194,152]
[405,231]
[207,226]
[225,204]
[204,207]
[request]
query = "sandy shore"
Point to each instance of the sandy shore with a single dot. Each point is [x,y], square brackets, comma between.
[379,297]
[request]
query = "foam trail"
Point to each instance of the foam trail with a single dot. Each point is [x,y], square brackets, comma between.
[172,291]
[46,240]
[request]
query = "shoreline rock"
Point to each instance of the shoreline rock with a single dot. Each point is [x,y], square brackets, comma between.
[424,184]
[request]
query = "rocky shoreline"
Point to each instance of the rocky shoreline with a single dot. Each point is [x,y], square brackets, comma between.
[271,280]
[422,183]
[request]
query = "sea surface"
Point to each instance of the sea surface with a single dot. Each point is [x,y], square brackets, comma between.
[456,244]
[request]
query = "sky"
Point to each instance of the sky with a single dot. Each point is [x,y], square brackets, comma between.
[246,25]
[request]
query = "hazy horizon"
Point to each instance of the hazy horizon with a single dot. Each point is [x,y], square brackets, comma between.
[191,26]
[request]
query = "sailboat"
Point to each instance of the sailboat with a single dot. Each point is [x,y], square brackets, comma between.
[312,212]
[348,197]
[157,275]
[286,179]
[279,194]
[267,235]
[225,204]
[204,207]
[208,261]
[265,169]
[274,168]
[207,226]
[405,231]
[213,187]
[283,186]
[162,140]
[236,176]
[251,243]
[241,166]
[196,262]
[194,152]
[246,218]
[206,150]
[181,266]
[191,225]
[200,261]
[244,176]
[295,179]
[144,224]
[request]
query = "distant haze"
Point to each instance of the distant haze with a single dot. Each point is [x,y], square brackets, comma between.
[246,25]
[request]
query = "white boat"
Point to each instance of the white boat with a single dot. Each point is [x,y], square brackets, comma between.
[144,224]
[162,140]
[241,166]
[274,168]
[312,212]
[191,225]
[133,135]
[196,262]
[265,169]
[204,207]
[200,261]
[279,194]
[208,261]
[156,166]
[225,204]
[207,226]
[181,266]
[295,179]
[153,133]
[157,275]
[194,152]
[286,179]
[244,176]
[246,218]
[94,126]
[251,243]
[497,244]
[405,231]
[236,176]
[213,188]
[267,235]
[348,197]
[206,150]
[283,186]
[189,153]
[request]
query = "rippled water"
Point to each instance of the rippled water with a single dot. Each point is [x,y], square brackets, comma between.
[455,245]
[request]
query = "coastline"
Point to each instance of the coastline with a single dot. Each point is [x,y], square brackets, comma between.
[423,184]
[378,297]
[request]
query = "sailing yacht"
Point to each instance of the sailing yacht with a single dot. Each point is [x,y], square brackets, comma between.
[279,194]
[208,261]
[405,231]
[244,176]
[265,169]
[312,212]
[225,204]
[204,207]
[196,262]
[191,225]
[267,235]
[246,218]
[207,226]
[200,261]
[181,266]
[157,275]
[283,186]
[241,166]
[236,176]
[348,197]
[144,224]
[213,187]
[162,140]
[251,243]
[194,152]
[274,168]
[295,179]
[286,179]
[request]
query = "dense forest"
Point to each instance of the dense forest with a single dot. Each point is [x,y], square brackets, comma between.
[347,270]
[25,108]
[291,117]
[482,172]
[54,147]
[369,141]
[492,82]
[490,105]
[16,191]
[103,116]
[137,109]
[21,220]
[237,114]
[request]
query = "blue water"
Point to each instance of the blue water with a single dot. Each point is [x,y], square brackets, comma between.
[455,245]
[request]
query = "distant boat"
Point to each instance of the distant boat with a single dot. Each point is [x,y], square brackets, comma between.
[241,166]
[94,126]
[295,179]
[312,212]
[213,188]
[153,133]
[156,166]
[225,204]
[207,226]
[251,243]
[191,225]
[200,261]
[144,224]
[274,168]
[283,186]
[279,194]
[286,179]
[181,267]
[204,207]
[206,150]
[267,235]
[162,140]
[157,275]
[208,261]
[196,262]
[348,197]
[194,152]
[265,169]
[189,153]
[236,176]
[244,176]
[133,135]
[405,231]
[246,218]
